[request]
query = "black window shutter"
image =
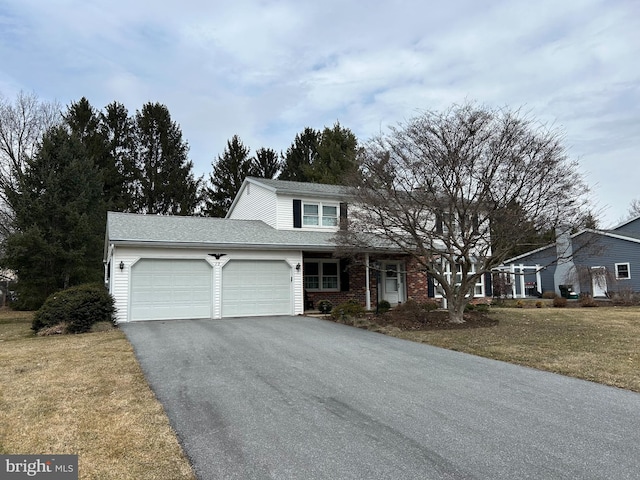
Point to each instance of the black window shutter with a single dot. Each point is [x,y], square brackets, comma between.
[344,275]
[297,213]
[439,228]
[488,285]
[431,288]
[343,216]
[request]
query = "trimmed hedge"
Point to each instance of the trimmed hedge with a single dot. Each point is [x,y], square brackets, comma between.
[77,307]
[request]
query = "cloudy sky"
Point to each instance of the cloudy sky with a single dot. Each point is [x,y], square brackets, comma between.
[266,69]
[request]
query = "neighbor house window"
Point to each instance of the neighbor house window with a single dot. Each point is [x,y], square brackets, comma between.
[623,271]
[319,215]
[321,275]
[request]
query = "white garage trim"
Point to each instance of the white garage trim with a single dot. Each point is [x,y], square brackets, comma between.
[257,287]
[164,289]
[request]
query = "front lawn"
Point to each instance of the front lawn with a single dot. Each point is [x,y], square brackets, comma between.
[598,344]
[86,395]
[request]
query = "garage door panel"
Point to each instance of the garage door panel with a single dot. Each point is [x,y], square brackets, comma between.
[261,287]
[170,289]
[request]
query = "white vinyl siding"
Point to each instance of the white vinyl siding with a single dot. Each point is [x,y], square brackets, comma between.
[256,203]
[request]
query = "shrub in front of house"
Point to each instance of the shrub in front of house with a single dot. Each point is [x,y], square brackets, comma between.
[587,300]
[470,307]
[549,294]
[413,311]
[383,306]
[559,302]
[431,305]
[77,308]
[350,309]
[324,306]
[624,296]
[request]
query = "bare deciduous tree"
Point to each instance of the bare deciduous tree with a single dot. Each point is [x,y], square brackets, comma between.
[634,208]
[458,190]
[22,124]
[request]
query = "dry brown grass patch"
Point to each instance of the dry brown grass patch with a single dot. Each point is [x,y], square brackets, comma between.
[86,395]
[598,344]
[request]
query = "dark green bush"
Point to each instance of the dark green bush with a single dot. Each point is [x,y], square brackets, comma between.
[77,307]
[383,306]
[325,306]
[350,308]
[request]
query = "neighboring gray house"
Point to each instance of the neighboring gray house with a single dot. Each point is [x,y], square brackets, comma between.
[597,262]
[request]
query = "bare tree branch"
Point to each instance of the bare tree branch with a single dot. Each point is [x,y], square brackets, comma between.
[458,190]
[22,124]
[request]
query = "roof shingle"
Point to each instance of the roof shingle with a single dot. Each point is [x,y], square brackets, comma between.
[131,228]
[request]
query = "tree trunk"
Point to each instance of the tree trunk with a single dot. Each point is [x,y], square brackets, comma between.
[456,311]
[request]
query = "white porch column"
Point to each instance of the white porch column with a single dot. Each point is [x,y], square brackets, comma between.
[523,292]
[512,277]
[367,291]
[538,279]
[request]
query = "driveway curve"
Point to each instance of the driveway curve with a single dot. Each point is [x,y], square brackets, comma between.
[302,398]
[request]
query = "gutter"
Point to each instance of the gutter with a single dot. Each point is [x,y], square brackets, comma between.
[233,246]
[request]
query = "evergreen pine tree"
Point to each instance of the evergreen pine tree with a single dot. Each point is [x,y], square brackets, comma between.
[300,156]
[167,184]
[59,219]
[229,171]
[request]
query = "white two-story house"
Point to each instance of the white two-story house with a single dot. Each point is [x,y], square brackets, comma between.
[274,254]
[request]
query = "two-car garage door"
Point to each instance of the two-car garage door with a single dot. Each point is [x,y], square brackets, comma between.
[164,289]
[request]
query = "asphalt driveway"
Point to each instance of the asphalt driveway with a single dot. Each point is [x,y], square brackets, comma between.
[301,398]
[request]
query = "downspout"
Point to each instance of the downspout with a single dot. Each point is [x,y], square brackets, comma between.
[367,290]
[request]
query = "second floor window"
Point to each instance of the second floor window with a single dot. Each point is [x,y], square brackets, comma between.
[319,215]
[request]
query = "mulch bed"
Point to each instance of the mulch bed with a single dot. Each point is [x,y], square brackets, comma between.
[433,320]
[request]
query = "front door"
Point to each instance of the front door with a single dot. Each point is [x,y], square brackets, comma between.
[598,281]
[392,283]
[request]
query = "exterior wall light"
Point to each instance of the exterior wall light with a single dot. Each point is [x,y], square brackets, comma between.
[121,265]
[298,267]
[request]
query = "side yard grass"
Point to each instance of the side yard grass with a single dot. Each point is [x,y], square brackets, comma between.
[86,395]
[597,344]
